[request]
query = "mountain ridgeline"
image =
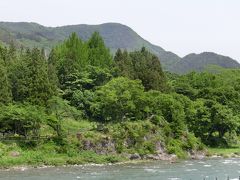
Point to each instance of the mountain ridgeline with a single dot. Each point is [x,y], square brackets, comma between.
[199,62]
[115,36]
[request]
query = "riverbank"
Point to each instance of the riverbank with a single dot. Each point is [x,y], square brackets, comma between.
[26,160]
[84,142]
[224,152]
[40,159]
[115,143]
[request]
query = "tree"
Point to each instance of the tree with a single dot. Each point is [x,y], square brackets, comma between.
[124,64]
[99,54]
[5,87]
[142,65]
[212,121]
[29,78]
[22,119]
[119,100]
[69,57]
[171,109]
[59,110]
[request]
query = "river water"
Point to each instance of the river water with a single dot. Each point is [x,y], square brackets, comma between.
[184,170]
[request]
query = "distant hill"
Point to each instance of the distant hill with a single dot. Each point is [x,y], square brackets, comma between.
[115,36]
[199,62]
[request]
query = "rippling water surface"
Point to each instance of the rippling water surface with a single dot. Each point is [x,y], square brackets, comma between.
[184,170]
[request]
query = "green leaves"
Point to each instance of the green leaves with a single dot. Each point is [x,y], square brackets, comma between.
[74,56]
[216,102]
[5,86]
[29,78]
[99,54]
[141,65]
[21,119]
[118,100]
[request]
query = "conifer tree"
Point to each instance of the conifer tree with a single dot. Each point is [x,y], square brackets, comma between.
[5,89]
[123,64]
[30,80]
[69,57]
[99,54]
[141,65]
[39,86]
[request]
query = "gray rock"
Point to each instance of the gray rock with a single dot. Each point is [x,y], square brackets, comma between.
[159,148]
[152,157]
[135,156]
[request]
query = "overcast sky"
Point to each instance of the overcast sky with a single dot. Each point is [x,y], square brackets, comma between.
[181,26]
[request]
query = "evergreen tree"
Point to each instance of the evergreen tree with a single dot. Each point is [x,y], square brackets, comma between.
[30,80]
[5,89]
[99,54]
[141,65]
[69,57]
[123,64]
[52,71]
[40,89]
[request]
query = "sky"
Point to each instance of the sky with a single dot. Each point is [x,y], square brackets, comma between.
[180,26]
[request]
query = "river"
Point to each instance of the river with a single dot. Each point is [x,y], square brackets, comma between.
[158,170]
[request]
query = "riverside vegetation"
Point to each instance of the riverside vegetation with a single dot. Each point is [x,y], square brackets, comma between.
[81,105]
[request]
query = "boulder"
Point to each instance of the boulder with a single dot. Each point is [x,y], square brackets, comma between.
[135,156]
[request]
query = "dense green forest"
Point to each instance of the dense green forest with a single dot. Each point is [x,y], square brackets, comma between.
[86,101]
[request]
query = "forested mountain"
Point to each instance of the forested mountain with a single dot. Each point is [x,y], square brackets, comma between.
[115,36]
[198,62]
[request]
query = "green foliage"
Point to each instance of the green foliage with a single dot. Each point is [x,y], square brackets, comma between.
[128,105]
[171,109]
[21,119]
[124,64]
[5,87]
[175,146]
[29,78]
[140,136]
[215,109]
[59,109]
[187,143]
[99,54]
[119,100]
[69,57]
[74,56]
[141,65]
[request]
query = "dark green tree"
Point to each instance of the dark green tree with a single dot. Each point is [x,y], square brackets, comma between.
[124,64]
[99,54]
[5,86]
[142,65]
[29,78]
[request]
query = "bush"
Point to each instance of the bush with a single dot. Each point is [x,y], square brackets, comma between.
[175,146]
